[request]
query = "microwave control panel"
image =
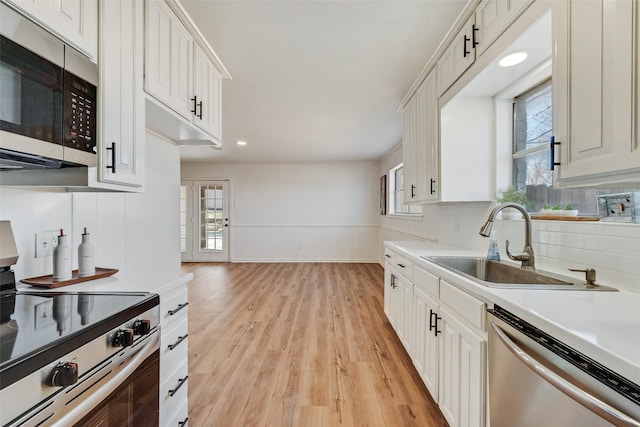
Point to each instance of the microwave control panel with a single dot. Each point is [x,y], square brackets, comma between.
[79,113]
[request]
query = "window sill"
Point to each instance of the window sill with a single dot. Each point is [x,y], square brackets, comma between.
[412,217]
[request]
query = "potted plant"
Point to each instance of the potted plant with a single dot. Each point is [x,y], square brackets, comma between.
[512,194]
[546,210]
[569,210]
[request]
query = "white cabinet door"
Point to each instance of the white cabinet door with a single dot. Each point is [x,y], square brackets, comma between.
[462,373]
[410,117]
[74,21]
[389,284]
[459,56]
[207,89]
[121,99]
[405,309]
[493,17]
[427,139]
[593,93]
[168,64]
[425,349]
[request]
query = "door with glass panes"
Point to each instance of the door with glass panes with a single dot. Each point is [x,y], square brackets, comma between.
[204,221]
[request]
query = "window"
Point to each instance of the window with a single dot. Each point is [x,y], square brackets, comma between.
[532,128]
[396,194]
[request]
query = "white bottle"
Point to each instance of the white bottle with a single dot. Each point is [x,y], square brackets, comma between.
[493,254]
[86,259]
[62,259]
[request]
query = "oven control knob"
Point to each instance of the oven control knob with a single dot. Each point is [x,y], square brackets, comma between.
[122,338]
[142,327]
[63,374]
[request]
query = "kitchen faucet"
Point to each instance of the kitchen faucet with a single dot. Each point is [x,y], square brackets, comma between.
[526,256]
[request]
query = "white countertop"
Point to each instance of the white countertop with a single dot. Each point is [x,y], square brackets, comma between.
[121,282]
[604,326]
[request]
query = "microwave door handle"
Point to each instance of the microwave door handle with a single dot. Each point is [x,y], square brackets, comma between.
[580,396]
[104,390]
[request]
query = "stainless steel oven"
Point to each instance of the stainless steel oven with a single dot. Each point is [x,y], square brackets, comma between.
[536,380]
[79,359]
[49,98]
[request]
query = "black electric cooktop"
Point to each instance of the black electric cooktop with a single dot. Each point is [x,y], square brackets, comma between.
[36,328]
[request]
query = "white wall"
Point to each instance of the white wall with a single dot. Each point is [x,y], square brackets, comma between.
[298,211]
[131,232]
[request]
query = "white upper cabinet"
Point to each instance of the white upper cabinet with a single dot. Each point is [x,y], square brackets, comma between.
[183,76]
[459,56]
[169,54]
[420,143]
[74,21]
[207,94]
[595,71]
[120,94]
[493,17]
[409,143]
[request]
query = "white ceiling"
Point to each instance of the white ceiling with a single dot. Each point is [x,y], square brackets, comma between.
[316,80]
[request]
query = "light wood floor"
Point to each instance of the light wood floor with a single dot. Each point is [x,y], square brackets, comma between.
[298,345]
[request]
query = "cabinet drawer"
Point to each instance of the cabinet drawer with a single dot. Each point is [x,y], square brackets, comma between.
[173,392]
[469,308]
[179,418]
[426,281]
[173,305]
[404,266]
[174,344]
[390,256]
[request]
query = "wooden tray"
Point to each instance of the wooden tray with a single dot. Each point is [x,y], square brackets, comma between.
[47,281]
[565,218]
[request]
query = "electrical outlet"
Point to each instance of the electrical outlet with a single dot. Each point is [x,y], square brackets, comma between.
[45,242]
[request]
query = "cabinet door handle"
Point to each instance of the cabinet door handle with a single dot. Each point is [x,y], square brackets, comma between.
[552,149]
[181,382]
[393,281]
[195,105]
[433,181]
[431,313]
[436,324]
[474,41]
[413,191]
[183,422]
[466,40]
[178,342]
[113,157]
[177,309]
[200,115]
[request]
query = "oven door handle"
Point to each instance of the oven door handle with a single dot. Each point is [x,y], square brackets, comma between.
[104,390]
[580,396]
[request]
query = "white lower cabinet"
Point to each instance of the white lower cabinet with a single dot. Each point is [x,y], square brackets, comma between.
[174,366]
[443,330]
[462,373]
[425,354]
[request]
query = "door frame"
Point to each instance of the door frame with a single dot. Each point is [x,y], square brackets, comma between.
[193,252]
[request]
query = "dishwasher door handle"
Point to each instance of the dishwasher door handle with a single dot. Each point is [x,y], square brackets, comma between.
[580,396]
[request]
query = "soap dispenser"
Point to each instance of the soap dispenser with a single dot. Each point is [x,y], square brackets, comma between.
[493,254]
[62,259]
[86,258]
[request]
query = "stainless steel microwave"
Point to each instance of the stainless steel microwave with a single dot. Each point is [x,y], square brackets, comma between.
[48,106]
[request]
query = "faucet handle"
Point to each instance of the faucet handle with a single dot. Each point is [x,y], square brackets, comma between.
[590,274]
[518,256]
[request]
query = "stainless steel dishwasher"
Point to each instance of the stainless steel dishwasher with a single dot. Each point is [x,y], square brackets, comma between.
[536,380]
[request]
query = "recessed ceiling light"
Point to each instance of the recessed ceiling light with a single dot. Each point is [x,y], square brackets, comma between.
[241,142]
[513,59]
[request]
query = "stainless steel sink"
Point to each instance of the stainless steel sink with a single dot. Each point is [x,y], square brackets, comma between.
[499,275]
